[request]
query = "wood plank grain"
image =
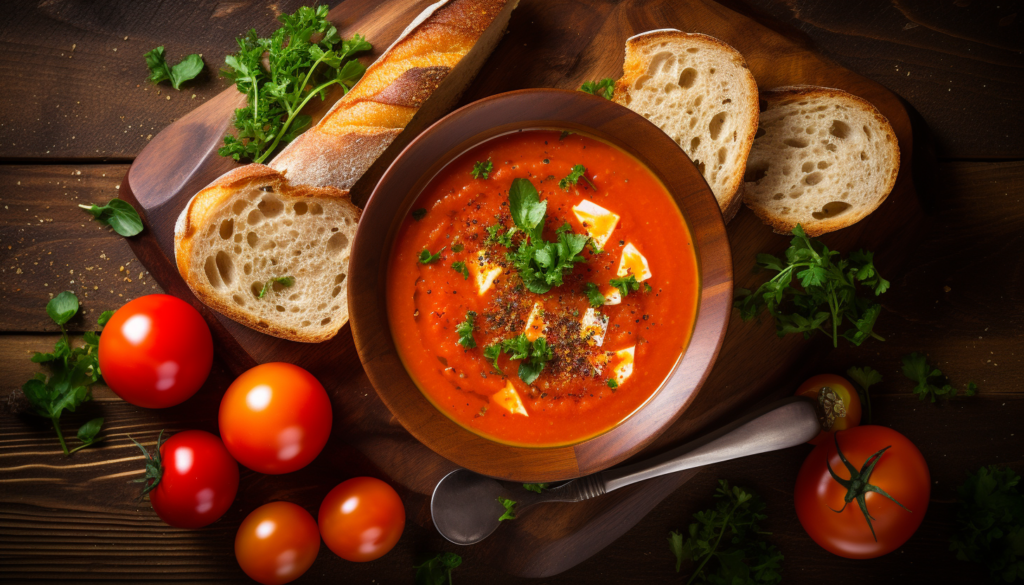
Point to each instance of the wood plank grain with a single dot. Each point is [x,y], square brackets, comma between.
[960,64]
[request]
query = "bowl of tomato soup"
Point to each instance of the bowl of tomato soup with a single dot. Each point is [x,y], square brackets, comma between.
[539,284]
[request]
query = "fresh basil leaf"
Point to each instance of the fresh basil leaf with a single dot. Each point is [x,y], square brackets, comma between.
[119,215]
[62,307]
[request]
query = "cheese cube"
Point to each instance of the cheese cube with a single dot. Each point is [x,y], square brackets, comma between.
[612,296]
[508,399]
[623,364]
[535,324]
[598,221]
[633,262]
[484,272]
[593,327]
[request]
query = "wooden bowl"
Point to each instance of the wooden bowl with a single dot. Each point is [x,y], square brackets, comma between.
[394,196]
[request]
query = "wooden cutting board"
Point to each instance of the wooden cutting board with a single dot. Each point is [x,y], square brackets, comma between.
[547,45]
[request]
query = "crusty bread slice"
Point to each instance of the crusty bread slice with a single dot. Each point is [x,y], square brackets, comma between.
[823,158]
[251,226]
[701,93]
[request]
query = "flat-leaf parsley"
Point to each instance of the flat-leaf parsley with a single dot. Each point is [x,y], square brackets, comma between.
[604,88]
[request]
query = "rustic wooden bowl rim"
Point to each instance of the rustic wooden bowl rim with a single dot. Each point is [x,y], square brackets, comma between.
[391,201]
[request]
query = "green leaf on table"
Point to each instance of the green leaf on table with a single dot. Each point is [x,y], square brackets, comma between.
[536,487]
[118,214]
[510,509]
[864,378]
[604,88]
[437,570]
[928,379]
[187,69]
[989,524]
[62,307]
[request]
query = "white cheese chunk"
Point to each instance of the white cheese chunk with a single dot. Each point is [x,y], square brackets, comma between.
[484,272]
[622,367]
[593,327]
[633,262]
[598,221]
[508,399]
[612,296]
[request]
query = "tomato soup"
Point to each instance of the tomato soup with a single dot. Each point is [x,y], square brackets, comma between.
[542,288]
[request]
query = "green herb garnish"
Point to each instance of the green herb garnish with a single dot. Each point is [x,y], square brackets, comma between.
[495,235]
[915,367]
[989,525]
[625,285]
[829,292]
[574,176]
[458,248]
[482,169]
[438,570]
[74,370]
[285,281]
[534,354]
[541,264]
[864,378]
[510,509]
[461,268]
[188,68]
[727,542]
[465,331]
[118,214]
[612,383]
[492,353]
[536,487]
[594,295]
[303,59]
[427,258]
[604,88]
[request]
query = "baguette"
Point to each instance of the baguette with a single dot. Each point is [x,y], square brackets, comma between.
[825,160]
[257,224]
[701,93]
[414,82]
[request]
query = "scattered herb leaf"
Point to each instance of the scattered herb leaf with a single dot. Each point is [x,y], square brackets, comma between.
[188,68]
[916,367]
[492,353]
[437,570]
[534,354]
[574,176]
[510,509]
[625,285]
[594,294]
[865,378]
[458,248]
[482,169]
[536,487]
[989,525]
[604,88]
[119,215]
[461,268]
[427,258]
[612,383]
[495,235]
[465,330]
[285,281]
[828,295]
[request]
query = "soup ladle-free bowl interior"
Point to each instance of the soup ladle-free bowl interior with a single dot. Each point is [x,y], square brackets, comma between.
[391,202]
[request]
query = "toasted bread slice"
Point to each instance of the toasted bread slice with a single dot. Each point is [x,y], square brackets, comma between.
[701,93]
[825,160]
[252,226]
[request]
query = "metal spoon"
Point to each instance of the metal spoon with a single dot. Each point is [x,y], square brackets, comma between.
[465,505]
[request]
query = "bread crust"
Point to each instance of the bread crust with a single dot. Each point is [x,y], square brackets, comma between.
[633,67]
[781,226]
[207,203]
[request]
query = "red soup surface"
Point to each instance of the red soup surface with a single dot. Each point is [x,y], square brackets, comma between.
[535,305]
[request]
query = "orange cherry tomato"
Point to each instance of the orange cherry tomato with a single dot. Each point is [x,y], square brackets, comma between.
[361,519]
[277,543]
[900,471]
[275,418]
[840,388]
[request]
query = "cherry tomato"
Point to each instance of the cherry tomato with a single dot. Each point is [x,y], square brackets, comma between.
[197,482]
[361,519]
[900,471]
[275,418]
[156,351]
[277,543]
[843,400]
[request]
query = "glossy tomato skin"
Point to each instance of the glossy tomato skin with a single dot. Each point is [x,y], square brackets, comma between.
[275,418]
[199,480]
[361,519]
[901,471]
[845,390]
[156,351]
[277,543]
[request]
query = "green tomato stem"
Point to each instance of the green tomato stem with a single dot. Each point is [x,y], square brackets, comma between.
[84,445]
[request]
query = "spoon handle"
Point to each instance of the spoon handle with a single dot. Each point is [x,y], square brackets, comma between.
[786,423]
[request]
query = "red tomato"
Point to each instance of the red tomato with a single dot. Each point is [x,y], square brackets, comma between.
[361,519]
[156,351]
[841,388]
[277,543]
[198,480]
[275,418]
[900,471]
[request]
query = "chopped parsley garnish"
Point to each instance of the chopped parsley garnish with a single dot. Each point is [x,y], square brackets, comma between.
[625,285]
[510,508]
[419,214]
[540,263]
[285,281]
[612,383]
[647,288]
[426,257]
[594,295]
[492,353]
[482,169]
[564,134]
[604,88]
[460,267]
[828,295]
[458,248]
[536,487]
[494,235]
[916,367]
[534,354]
[465,331]
[574,176]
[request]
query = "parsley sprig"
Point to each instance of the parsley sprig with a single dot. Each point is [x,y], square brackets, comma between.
[462,269]
[186,69]
[604,88]
[427,258]
[731,537]
[74,370]
[304,58]
[989,525]
[629,283]
[916,367]
[437,570]
[534,354]
[482,169]
[540,263]
[510,509]
[828,293]
[594,295]
[465,330]
[574,176]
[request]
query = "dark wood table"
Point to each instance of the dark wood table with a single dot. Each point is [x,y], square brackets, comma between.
[75,109]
